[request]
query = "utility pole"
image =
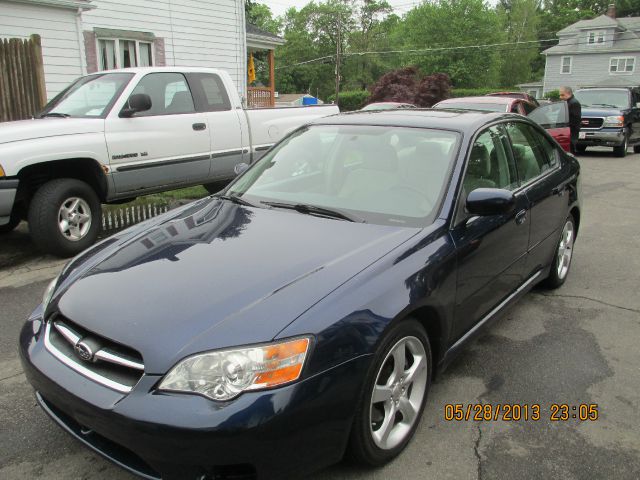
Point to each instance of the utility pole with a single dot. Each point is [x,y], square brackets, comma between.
[338,56]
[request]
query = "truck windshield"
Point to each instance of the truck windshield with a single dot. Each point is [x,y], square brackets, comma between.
[88,97]
[383,175]
[603,98]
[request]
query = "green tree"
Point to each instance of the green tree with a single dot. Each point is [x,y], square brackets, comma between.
[454,23]
[520,19]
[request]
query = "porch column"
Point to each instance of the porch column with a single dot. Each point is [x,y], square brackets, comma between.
[272,77]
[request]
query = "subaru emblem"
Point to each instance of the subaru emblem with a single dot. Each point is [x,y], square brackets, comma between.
[83,351]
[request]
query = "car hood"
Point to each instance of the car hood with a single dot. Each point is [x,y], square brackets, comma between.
[601,112]
[218,275]
[48,127]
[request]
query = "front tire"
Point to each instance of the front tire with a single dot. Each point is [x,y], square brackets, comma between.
[621,151]
[215,187]
[65,216]
[561,262]
[581,148]
[394,395]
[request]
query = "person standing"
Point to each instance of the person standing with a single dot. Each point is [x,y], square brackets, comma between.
[575,115]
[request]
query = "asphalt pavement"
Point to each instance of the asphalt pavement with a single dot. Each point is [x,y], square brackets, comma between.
[576,345]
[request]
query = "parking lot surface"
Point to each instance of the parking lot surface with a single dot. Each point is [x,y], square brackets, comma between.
[576,345]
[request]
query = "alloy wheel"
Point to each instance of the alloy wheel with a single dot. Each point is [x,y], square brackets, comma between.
[565,250]
[74,218]
[398,393]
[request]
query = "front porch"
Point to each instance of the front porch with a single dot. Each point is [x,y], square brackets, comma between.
[261,44]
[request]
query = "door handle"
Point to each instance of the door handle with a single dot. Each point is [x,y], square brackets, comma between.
[199,126]
[558,191]
[521,217]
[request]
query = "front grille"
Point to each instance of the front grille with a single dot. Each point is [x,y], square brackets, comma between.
[100,359]
[589,122]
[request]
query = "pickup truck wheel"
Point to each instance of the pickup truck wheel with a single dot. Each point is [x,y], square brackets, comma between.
[636,149]
[64,217]
[9,227]
[581,148]
[215,187]
[621,151]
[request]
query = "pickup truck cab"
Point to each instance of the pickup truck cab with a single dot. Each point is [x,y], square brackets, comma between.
[610,118]
[114,135]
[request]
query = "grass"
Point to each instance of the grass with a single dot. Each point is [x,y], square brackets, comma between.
[162,198]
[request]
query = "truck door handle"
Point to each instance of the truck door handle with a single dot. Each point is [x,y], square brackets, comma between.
[199,126]
[521,216]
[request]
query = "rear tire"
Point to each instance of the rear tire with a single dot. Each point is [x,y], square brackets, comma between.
[561,262]
[215,187]
[621,151]
[65,217]
[393,397]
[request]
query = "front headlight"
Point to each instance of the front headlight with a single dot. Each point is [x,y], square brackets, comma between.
[614,121]
[48,293]
[225,374]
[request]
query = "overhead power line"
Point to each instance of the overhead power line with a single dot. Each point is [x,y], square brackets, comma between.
[521,45]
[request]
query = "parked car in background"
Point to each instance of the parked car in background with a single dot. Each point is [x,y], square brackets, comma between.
[387,106]
[610,118]
[311,302]
[114,135]
[522,95]
[554,116]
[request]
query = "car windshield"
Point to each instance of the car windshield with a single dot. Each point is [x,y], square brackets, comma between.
[491,107]
[603,98]
[375,174]
[88,97]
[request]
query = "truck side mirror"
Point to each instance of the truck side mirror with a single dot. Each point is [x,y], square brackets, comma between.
[139,102]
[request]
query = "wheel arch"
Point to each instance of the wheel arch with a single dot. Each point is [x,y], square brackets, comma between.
[87,170]
[434,324]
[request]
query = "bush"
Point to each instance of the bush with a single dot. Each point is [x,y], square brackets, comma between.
[350,100]
[553,95]
[408,85]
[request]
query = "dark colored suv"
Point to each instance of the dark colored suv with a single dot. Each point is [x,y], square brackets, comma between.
[610,118]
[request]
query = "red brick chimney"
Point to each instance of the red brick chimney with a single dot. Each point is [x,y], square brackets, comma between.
[611,11]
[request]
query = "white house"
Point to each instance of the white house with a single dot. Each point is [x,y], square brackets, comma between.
[84,36]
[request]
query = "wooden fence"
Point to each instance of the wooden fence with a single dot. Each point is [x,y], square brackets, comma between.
[22,87]
[259,97]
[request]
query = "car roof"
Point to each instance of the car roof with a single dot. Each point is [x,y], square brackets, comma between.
[445,119]
[484,99]
[160,69]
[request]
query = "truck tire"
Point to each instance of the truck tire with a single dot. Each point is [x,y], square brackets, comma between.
[9,227]
[581,148]
[65,217]
[636,149]
[621,151]
[215,187]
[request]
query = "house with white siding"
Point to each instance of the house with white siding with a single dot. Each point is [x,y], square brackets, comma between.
[85,36]
[604,51]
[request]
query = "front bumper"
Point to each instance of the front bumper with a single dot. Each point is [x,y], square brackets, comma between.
[281,433]
[8,189]
[604,137]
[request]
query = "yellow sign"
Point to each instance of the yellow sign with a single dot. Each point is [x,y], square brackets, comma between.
[251,70]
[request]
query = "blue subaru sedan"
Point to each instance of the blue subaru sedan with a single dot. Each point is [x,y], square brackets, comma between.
[301,314]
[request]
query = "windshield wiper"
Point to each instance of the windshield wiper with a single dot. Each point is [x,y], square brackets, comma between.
[314,210]
[236,199]
[55,114]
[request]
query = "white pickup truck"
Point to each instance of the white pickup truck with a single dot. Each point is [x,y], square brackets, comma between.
[115,135]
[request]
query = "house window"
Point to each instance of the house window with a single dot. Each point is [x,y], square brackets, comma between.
[622,65]
[595,38]
[565,64]
[121,53]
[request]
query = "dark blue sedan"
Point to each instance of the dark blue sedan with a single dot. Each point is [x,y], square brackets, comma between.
[303,312]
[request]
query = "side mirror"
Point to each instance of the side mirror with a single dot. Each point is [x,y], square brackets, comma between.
[240,168]
[490,201]
[139,102]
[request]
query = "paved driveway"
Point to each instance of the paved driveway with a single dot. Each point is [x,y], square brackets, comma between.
[576,345]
